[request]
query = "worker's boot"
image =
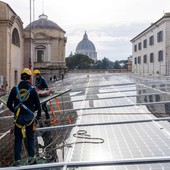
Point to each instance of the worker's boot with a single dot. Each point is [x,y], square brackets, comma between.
[16,163]
[32,161]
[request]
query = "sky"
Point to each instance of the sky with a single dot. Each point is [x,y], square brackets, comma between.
[109,24]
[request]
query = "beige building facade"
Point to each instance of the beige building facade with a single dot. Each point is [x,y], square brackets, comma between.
[11,46]
[47,46]
[40,45]
[151,48]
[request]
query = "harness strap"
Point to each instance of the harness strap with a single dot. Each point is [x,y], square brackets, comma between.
[23,128]
[54,115]
[25,107]
[23,99]
[58,106]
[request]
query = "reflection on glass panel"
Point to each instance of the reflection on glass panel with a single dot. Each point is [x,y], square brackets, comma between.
[154,95]
[157,98]
[150,98]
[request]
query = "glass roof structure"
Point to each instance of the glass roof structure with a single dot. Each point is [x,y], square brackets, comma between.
[121,123]
[123,98]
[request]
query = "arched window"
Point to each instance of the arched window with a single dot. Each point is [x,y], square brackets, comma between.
[15,37]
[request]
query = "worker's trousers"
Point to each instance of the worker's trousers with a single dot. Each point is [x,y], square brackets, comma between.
[28,141]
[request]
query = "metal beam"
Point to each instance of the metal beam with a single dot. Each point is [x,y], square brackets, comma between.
[150,160]
[116,106]
[103,123]
[121,84]
[114,97]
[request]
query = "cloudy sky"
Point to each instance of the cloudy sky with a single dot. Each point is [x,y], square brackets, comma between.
[110,24]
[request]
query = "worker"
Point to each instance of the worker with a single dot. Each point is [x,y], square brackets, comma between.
[23,101]
[41,84]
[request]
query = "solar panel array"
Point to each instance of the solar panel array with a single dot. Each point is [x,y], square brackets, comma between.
[97,99]
[121,142]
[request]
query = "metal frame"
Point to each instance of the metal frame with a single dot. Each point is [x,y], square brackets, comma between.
[105,123]
[135,161]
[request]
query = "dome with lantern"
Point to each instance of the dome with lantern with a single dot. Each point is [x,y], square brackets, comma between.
[86,47]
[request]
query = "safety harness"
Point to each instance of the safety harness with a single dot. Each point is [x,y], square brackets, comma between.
[18,108]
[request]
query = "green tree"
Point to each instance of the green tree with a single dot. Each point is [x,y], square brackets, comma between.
[97,65]
[117,65]
[79,61]
[107,64]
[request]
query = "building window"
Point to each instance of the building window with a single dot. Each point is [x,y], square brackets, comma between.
[139,46]
[15,37]
[139,59]
[151,57]
[40,56]
[135,60]
[40,53]
[160,36]
[151,40]
[145,43]
[135,48]
[145,58]
[160,55]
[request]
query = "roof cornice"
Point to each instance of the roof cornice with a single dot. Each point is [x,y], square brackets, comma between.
[153,25]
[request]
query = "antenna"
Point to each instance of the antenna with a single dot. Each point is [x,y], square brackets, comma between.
[33,10]
[43,6]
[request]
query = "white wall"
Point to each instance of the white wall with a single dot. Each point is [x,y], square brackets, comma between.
[156,66]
